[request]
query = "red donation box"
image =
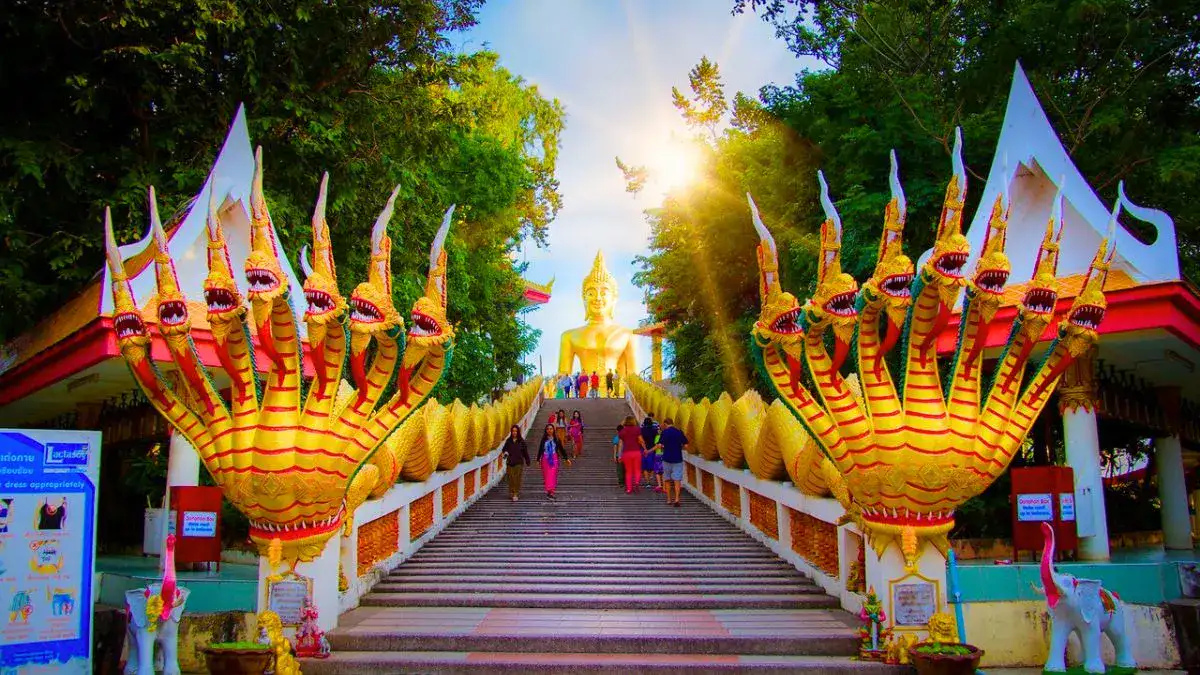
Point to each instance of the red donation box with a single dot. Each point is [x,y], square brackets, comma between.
[197,524]
[1043,494]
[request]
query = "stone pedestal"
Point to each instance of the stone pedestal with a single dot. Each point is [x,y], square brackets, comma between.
[885,572]
[324,575]
[1082,440]
[1172,492]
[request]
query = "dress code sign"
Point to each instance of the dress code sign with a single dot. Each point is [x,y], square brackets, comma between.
[1033,508]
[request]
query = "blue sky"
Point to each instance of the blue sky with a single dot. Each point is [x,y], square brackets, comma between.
[612,64]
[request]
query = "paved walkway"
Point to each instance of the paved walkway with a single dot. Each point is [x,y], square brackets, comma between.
[594,581]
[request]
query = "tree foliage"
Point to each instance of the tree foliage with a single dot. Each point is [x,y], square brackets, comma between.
[1120,80]
[118,97]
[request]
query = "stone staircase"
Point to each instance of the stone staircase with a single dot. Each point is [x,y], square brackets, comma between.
[596,581]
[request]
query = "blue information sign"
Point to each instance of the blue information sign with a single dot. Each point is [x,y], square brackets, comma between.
[47,549]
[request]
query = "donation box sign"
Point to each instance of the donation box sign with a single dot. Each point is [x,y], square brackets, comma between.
[197,513]
[1043,494]
[48,485]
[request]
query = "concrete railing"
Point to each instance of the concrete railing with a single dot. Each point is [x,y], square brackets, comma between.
[802,530]
[389,530]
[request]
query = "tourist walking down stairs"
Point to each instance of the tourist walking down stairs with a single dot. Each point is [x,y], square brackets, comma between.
[516,452]
[551,455]
[632,449]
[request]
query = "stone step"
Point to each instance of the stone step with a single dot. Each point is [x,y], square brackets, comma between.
[756,570]
[602,601]
[588,585]
[439,663]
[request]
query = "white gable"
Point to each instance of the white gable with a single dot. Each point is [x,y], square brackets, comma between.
[1039,161]
[231,176]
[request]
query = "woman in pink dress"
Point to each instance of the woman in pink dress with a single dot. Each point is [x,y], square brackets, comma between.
[550,455]
[575,429]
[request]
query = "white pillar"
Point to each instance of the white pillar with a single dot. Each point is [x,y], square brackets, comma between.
[1172,492]
[1082,440]
[183,464]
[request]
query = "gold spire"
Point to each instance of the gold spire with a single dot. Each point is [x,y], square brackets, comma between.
[599,276]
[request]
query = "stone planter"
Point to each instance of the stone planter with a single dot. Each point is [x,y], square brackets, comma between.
[237,661]
[945,664]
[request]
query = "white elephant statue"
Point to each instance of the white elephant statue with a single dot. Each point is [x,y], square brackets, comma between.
[1082,605]
[153,615]
[145,632]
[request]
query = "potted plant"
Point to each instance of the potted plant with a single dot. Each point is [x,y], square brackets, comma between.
[238,658]
[945,658]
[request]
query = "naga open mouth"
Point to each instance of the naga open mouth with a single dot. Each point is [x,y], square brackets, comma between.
[951,264]
[894,516]
[263,529]
[897,286]
[128,325]
[842,304]
[364,311]
[172,313]
[1040,300]
[991,281]
[219,300]
[1087,316]
[319,302]
[424,326]
[262,280]
[786,323]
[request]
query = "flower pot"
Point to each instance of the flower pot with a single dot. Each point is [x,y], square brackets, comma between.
[945,664]
[237,661]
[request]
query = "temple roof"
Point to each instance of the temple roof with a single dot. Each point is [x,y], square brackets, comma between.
[1030,154]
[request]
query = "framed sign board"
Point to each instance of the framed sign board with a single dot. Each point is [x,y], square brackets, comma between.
[912,601]
[286,595]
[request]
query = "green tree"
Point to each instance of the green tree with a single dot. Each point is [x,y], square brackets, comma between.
[118,98]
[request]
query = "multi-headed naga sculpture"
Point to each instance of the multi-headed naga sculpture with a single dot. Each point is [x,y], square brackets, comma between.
[296,466]
[901,454]
[911,451]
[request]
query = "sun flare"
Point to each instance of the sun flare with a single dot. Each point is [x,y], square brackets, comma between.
[676,165]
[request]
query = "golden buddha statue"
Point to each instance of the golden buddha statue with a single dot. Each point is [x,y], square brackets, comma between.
[600,345]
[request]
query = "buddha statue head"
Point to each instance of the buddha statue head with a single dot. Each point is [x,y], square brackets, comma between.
[599,292]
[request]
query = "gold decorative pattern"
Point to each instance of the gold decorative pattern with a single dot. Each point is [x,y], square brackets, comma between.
[707,484]
[449,498]
[731,497]
[764,514]
[420,516]
[815,540]
[1077,389]
[378,540]
[469,485]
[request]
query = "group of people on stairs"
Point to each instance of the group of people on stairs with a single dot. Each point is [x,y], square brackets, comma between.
[562,441]
[654,453]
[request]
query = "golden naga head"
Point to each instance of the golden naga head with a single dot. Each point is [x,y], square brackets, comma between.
[832,302]
[264,274]
[221,294]
[891,281]
[1079,328]
[779,316]
[173,317]
[599,291]
[992,268]
[372,311]
[325,303]
[950,250]
[133,339]
[430,325]
[1041,296]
